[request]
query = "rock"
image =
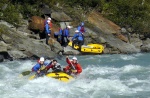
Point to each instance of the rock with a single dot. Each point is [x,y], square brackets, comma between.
[60,16]
[135,35]
[102,40]
[45,10]
[130,29]
[1,58]
[22,46]
[146,45]
[70,51]
[107,50]
[107,26]
[36,23]
[123,30]
[55,46]
[2,22]
[17,54]
[6,38]
[122,37]
[136,42]
[3,46]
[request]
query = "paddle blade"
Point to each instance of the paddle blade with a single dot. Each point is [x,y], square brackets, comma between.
[32,77]
[25,73]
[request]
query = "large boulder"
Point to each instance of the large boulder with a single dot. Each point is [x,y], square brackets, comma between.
[55,45]
[23,46]
[36,23]
[105,25]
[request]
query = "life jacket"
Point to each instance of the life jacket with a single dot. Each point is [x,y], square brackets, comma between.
[72,65]
[56,67]
[50,24]
[65,31]
[60,31]
[80,36]
[82,29]
[42,67]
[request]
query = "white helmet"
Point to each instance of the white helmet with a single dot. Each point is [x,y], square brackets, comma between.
[49,18]
[74,58]
[48,21]
[76,30]
[69,27]
[42,59]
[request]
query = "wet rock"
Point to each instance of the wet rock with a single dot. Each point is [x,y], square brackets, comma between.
[70,51]
[1,58]
[146,45]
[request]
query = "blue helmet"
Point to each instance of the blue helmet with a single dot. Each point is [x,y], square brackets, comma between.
[82,23]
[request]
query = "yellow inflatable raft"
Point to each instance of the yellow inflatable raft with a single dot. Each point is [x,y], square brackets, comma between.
[90,48]
[57,75]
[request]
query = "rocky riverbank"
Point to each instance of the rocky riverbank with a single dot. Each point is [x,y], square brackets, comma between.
[23,43]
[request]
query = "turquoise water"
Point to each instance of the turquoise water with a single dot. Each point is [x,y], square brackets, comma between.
[103,76]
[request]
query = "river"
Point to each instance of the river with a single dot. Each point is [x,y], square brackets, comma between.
[103,76]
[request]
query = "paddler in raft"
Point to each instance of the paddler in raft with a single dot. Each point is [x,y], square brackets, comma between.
[39,68]
[54,66]
[73,67]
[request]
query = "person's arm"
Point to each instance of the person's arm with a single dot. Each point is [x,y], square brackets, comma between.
[48,67]
[47,29]
[66,68]
[75,35]
[68,61]
[36,67]
[79,68]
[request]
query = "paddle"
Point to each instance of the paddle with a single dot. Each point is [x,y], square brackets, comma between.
[71,64]
[26,73]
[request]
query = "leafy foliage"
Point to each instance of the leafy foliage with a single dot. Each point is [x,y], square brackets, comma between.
[130,13]
[133,13]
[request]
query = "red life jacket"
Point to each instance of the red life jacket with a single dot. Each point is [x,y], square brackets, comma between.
[82,29]
[50,24]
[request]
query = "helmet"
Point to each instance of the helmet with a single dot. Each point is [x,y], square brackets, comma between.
[69,27]
[48,21]
[42,59]
[76,30]
[49,18]
[74,58]
[82,23]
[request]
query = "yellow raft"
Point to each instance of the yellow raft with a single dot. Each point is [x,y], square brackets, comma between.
[90,48]
[57,75]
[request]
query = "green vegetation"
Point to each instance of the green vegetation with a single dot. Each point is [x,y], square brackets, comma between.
[133,13]
[126,13]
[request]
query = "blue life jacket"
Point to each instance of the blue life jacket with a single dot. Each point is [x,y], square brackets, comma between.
[60,32]
[79,36]
[66,32]
[38,66]
[47,29]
